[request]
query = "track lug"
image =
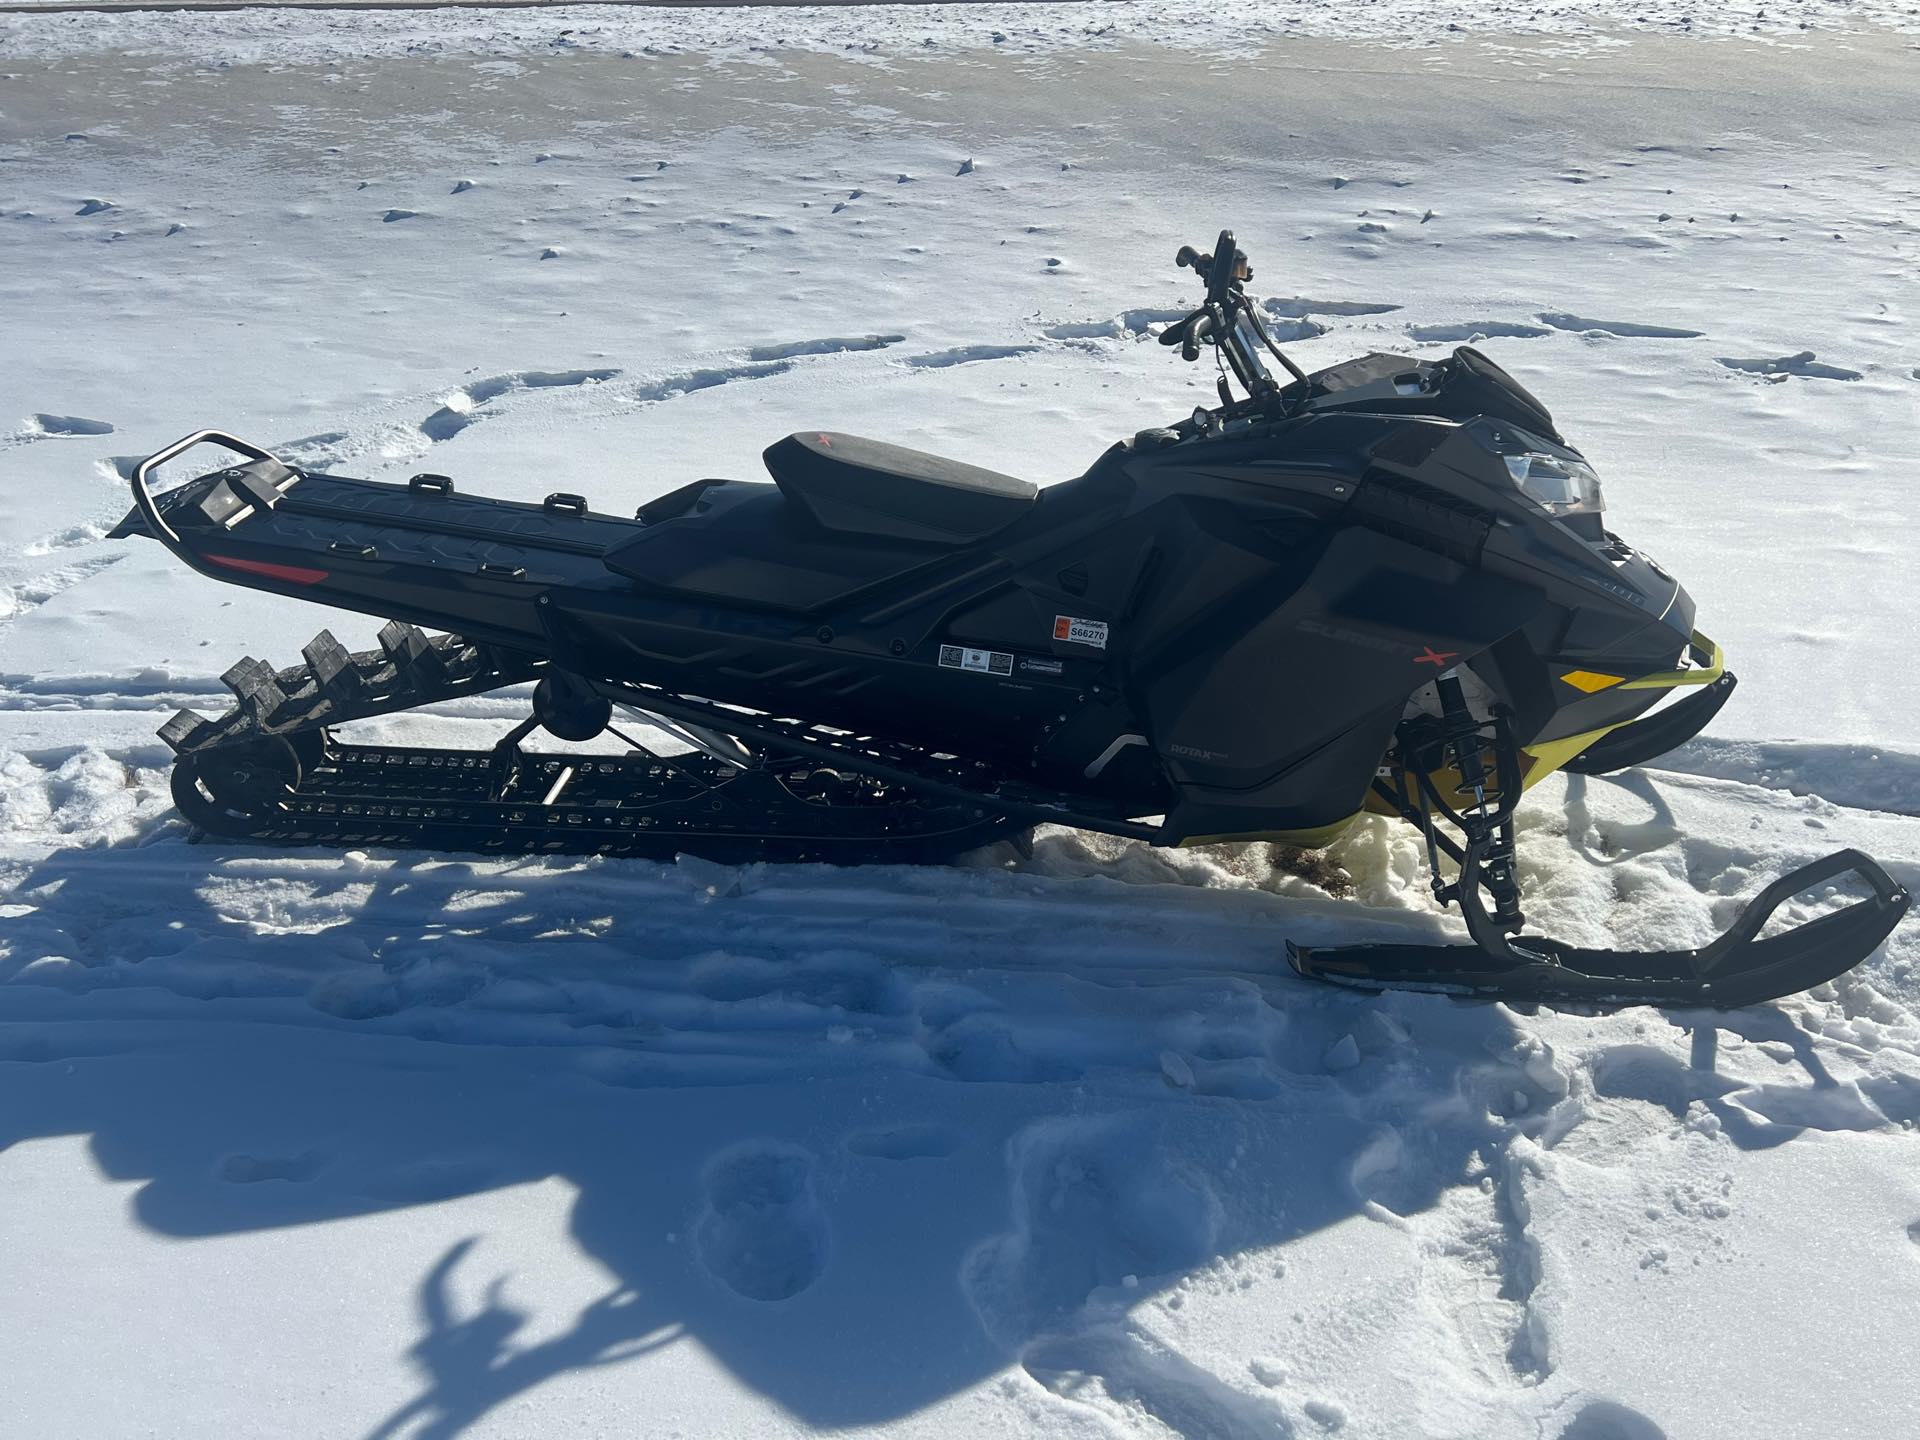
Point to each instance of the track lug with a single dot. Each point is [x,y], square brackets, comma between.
[256,685]
[413,655]
[333,669]
[180,730]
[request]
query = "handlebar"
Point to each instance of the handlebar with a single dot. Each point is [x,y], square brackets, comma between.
[1228,320]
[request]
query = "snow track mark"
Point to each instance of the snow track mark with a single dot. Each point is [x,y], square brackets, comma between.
[68,425]
[666,389]
[463,407]
[68,539]
[1121,1370]
[1860,777]
[1298,307]
[39,426]
[1137,323]
[967,355]
[1093,1202]
[25,596]
[1624,329]
[1782,367]
[829,345]
[762,1233]
[1469,330]
[1100,1208]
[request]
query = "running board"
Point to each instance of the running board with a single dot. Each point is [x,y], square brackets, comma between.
[1735,970]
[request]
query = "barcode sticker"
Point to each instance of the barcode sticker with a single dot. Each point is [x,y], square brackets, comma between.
[985,662]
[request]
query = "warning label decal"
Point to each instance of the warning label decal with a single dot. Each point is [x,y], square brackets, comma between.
[1080,632]
[986,662]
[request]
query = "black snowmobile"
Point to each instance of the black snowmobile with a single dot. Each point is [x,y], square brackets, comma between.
[1384,586]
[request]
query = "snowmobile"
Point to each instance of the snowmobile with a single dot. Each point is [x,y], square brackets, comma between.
[1385,586]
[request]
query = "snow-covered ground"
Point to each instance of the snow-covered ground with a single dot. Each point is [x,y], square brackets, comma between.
[395,1145]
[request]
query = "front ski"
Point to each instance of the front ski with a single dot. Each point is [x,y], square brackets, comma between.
[1740,968]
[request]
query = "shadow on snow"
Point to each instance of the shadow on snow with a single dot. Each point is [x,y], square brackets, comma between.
[866,1143]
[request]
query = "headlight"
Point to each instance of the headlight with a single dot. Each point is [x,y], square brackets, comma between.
[1550,475]
[1562,485]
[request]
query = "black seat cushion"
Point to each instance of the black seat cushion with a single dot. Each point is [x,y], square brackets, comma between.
[865,487]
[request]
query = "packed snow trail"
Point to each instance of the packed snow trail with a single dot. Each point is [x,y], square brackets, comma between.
[405,1145]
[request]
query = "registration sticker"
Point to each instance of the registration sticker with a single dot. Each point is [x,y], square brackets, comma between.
[1080,632]
[985,662]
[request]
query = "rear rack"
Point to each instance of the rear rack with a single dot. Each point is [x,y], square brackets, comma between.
[150,510]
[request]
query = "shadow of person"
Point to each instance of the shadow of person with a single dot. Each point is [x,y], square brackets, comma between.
[471,1365]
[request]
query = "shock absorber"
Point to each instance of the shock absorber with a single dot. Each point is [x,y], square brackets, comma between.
[1467,747]
[1462,734]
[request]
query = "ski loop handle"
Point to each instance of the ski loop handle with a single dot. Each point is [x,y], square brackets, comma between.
[1887,891]
[1734,949]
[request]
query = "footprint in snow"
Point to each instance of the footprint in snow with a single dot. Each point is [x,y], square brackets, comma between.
[1096,1205]
[1289,331]
[1298,307]
[827,345]
[1625,329]
[1802,365]
[967,355]
[762,1233]
[1469,330]
[1138,323]
[73,535]
[1610,1420]
[67,425]
[462,407]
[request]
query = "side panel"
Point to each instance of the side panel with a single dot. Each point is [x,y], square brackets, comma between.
[1272,704]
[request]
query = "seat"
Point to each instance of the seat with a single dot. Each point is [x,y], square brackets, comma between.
[865,487]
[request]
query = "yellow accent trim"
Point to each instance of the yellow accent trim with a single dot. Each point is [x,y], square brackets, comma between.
[1692,675]
[1591,681]
[1550,755]
[1544,758]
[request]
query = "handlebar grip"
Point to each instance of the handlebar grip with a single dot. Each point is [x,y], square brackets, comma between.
[1198,327]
